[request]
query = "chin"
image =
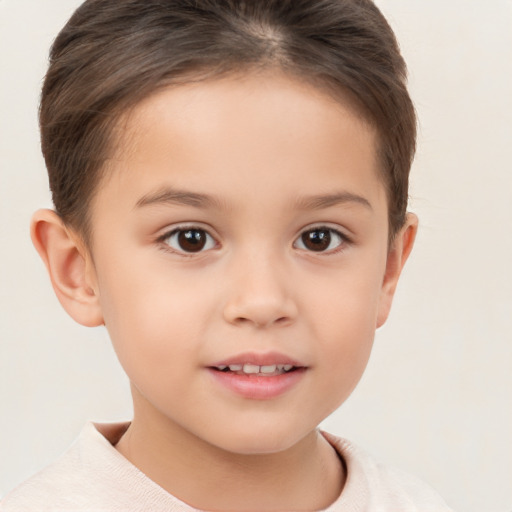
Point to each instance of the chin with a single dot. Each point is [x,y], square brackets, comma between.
[261,441]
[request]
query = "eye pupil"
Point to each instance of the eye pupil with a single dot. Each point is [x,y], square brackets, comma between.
[317,239]
[192,240]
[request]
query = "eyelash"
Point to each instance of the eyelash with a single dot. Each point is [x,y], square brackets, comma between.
[211,243]
[343,240]
[165,239]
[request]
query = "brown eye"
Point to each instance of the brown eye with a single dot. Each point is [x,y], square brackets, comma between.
[320,240]
[190,240]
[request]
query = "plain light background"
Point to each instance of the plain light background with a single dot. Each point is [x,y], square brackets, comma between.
[436,397]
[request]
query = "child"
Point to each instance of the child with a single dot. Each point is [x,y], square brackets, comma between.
[230,186]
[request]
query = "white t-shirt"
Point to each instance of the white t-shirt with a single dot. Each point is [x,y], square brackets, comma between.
[93,476]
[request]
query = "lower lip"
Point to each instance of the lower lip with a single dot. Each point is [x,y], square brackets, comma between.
[257,387]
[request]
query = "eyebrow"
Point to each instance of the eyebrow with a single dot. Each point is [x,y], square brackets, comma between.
[175,196]
[319,202]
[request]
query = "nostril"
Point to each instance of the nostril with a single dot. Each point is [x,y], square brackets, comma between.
[241,320]
[259,311]
[262,322]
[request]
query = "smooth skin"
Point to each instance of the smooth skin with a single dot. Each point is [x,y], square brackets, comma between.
[244,215]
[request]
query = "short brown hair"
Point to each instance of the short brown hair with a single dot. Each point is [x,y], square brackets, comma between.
[113,53]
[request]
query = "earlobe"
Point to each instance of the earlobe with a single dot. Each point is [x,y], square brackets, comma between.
[398,253]
[69,266]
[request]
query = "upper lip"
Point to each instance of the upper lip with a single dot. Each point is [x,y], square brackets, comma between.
[259,359]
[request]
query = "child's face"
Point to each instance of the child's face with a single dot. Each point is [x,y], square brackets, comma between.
[243,222]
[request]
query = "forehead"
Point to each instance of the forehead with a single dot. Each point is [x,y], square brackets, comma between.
[267,131]
[267,92]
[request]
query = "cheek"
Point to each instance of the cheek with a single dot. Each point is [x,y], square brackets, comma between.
[152,318]
[347,300]
[345,327]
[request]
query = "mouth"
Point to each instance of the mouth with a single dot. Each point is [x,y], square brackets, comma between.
[270,370]
[258,376]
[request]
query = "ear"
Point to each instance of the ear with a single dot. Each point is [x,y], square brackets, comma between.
[398,253]
[69,265]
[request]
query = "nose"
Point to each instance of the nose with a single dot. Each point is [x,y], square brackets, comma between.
[260,294]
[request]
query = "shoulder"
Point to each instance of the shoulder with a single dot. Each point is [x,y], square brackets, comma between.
[45,487]
[373,486]
[91,476]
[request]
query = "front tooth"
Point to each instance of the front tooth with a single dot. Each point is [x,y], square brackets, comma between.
[268,369]
[251,368]
[235,367]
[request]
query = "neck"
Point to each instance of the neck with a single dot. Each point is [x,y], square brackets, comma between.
[307,476]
